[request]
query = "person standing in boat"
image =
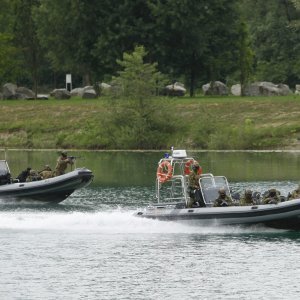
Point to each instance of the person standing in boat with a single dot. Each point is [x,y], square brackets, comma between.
[62,163]
[223,199]
[247,199]
[194,188]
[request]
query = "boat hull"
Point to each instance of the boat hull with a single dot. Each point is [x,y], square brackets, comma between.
[51,190]
[285,215]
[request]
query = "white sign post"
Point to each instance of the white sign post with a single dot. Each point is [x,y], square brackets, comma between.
[69,82]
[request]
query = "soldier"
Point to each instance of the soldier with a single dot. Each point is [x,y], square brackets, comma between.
[194,188]
[62,163]
[272,197]
[23,175]
[33,176]
[247,199]
[46,173]
[223,199]
[295,193]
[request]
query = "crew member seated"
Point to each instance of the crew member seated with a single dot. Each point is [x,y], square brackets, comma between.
[46,172]
[272,197]
[33,176]
[223,199]
[22,177]
[295,194]
[247,198]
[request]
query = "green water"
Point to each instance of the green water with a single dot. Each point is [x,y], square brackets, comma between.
[139,168]
[91,246]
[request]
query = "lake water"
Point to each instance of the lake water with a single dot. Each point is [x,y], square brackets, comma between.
[92,247]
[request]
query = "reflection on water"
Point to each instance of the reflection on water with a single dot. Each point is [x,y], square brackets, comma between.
[139,168]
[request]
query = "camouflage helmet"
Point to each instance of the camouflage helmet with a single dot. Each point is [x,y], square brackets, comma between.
[248,192]
[64,153]
[195,166]
[222,191]
[272,192]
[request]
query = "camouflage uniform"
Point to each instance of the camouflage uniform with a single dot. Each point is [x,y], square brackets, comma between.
[62,164]
[193,185]
[295,194]
[247,199]
[33,176]
[223,199]
[272,197]
[46,173]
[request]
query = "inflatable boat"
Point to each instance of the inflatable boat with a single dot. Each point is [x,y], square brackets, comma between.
[51,190]
[172,197]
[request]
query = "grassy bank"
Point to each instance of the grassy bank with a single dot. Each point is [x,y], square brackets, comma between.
[194,123]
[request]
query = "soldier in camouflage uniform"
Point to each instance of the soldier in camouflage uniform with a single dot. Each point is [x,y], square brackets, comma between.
[247,199]
[62,163]
[223,199]
[46,173]
[295,193]
[33,176]
[22,177]
[272,197]
[194,185]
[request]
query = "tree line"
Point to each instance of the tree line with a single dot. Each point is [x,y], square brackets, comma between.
[192,41]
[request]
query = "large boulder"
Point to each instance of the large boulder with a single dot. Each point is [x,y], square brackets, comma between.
[236,90]
[9,91]
[105,86]
[24,93]
[176,90]
[297,89]
[265,88]
[77,92]
[60,94]
[89,93]
[215,88]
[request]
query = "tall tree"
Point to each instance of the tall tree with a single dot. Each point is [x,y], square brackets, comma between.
[26,38]
[244,57]
[275,41]
[123,24]
[68,30]
[194,38]
[9,59]
[10,63]
[138,120]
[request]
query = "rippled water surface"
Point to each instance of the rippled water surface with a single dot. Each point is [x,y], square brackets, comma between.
[92,246]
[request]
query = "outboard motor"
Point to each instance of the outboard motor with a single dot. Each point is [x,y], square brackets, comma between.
[5,176]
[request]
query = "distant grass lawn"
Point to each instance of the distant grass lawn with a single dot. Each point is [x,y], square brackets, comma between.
[205,122]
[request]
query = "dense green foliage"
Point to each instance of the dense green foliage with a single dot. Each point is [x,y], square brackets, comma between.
[275,39]
[139,119]
[193,41]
